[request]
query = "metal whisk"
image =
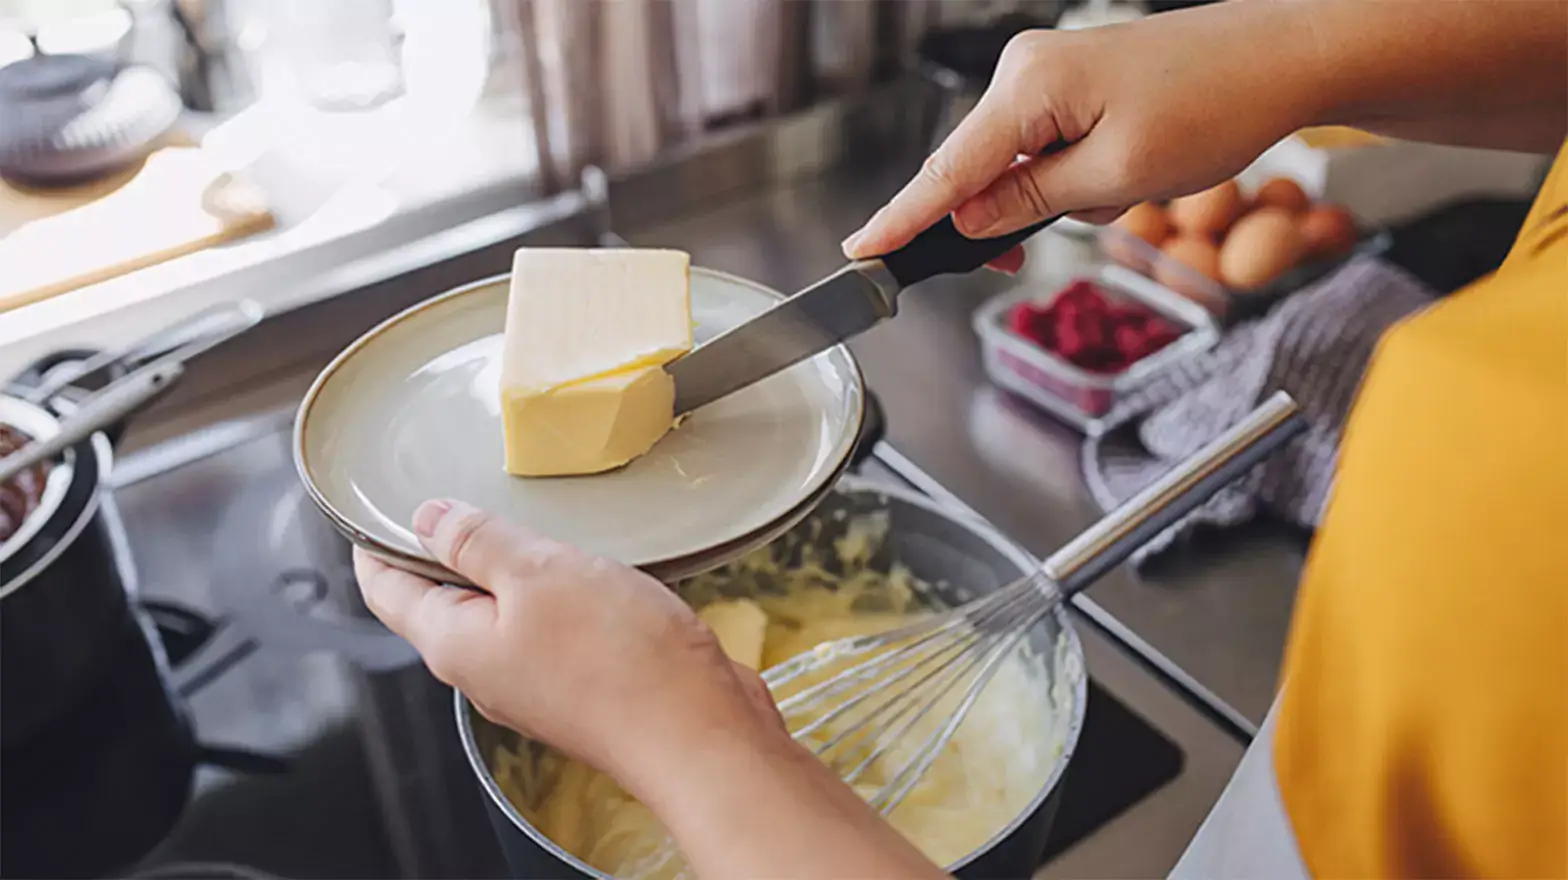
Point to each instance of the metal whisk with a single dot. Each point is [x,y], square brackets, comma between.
[862,713]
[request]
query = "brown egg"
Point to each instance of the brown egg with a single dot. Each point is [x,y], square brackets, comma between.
[1209,212]
[1260,247]
[1282,192]
[1327,231]
[1195,252]
[1146,222]
[1197,255]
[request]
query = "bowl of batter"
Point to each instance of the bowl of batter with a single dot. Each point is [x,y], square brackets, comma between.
[867,560]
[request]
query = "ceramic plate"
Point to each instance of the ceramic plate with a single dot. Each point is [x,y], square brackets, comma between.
[411,411]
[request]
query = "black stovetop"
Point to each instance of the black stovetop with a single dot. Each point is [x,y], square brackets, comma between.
[373,781]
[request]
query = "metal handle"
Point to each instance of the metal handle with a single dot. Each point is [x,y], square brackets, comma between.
[185,340]
[1109,542]
[96,413]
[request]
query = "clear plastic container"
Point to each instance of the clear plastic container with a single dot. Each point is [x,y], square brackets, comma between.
[1225,304]
[1077,396]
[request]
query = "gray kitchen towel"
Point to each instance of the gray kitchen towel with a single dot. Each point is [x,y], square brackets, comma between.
[1315,346]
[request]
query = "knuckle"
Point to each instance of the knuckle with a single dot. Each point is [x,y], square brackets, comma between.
[544,554]
[1038,130]
[465,531]
[440,664]
[1021,49]
[939,171]
[691,634]
[443,657]
[604,567]
[1029,195]
[438,643]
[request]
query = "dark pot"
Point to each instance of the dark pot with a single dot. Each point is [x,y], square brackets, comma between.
[97,756]
[63,588]
[104,781]
[63,596]
[938,548]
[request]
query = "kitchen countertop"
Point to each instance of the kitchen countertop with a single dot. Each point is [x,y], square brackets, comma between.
[786,237]
[1218,609]
[944,418]
[1214,617]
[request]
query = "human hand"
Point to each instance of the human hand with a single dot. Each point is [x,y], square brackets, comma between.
[592,657]
[1162,107]
[606,664]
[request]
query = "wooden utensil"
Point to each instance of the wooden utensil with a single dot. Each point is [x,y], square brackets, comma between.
[177,202]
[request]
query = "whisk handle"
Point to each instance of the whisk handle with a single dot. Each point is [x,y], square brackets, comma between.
[1109,542]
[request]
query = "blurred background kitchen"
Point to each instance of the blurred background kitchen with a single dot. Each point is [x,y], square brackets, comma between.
[241,187]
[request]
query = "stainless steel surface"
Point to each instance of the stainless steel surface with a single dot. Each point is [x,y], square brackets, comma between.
[912,671]
[1213,617]
[839,307]
[207,522]
[200,333]
[103,409]
[1214,613]
[203,332]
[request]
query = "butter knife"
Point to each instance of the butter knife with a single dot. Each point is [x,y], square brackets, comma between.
[843,305]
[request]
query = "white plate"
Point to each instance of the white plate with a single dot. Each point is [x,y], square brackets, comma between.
[411,410]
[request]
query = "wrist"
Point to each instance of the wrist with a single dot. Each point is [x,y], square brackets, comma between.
[1330,73]
[747,800]
[659,758]
[1285,39]
[1238,41]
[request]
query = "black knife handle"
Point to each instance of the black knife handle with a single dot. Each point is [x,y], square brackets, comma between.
[943,250]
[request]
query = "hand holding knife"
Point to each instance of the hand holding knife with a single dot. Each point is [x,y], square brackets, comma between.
[845,304]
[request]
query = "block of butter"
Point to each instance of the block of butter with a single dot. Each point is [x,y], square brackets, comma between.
[741,627]
[588,332]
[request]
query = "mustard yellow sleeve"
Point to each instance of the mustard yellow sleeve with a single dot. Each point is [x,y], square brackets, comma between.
[1423,726]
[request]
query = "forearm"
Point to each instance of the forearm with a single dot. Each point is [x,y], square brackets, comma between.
[751,803]
[1470,72]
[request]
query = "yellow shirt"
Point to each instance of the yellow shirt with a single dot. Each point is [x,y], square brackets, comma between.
[1423,726]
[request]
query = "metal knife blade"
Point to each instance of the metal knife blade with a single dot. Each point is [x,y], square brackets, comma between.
[849,302]
[845,304]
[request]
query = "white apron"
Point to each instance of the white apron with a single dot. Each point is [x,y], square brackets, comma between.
[1247,835]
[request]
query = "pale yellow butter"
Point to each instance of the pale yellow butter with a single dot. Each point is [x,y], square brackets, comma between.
[741,626]
[588,332]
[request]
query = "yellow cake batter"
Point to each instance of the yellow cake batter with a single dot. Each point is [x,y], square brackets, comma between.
[765,612]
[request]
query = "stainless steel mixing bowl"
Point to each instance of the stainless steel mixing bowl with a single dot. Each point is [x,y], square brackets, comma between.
[960,558]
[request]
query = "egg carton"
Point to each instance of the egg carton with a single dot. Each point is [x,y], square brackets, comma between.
[1229,305]
[1389,182]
